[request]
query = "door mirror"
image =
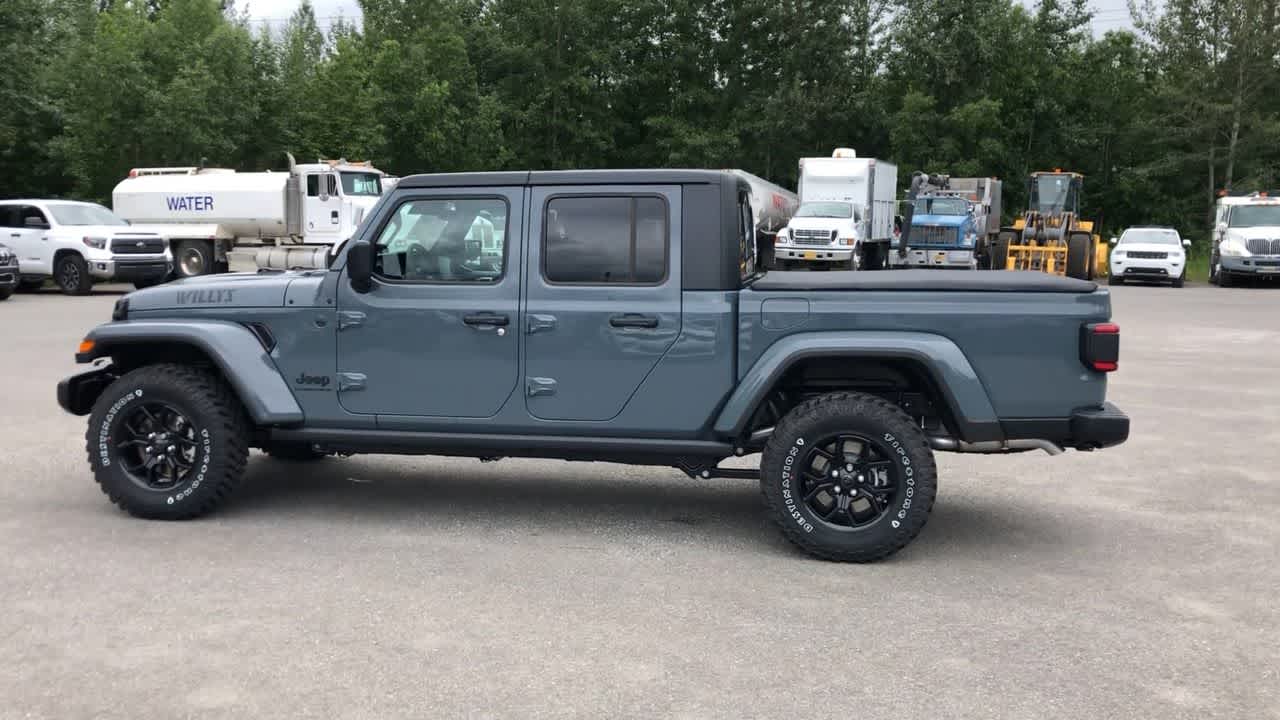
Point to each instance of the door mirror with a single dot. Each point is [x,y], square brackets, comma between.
[360,266]
[1186,243]
[35,222]
[1114,241]
[1221,227]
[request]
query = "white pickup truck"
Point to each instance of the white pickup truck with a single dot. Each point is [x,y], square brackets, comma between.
[75,243]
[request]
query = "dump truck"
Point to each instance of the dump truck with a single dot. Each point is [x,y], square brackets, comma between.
[948,222]
[1050,236]
[292,218]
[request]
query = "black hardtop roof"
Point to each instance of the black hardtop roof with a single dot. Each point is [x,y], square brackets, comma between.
[568,177]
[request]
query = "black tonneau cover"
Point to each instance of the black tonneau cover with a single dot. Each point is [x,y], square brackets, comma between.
[946,280]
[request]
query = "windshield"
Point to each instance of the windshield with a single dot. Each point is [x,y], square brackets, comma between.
[825,210]
[1161,237]
[77,214]
[942,206]
[1243,216]
[359,183]
[1054,194]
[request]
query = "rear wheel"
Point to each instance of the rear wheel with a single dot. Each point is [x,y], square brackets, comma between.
[168,442]
[1078,252]
[71,273]
[194,257]
[999,259]
[848,477]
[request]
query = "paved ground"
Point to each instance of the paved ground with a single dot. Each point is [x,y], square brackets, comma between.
[1138,582]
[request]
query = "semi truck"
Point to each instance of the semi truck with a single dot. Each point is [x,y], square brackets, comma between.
[293,218]
[846,214]
[953,223]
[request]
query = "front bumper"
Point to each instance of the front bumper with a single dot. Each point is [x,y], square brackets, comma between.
[76,394]
[813,253]
[1250,265]
[936,257]
[1152,269]
[130,270]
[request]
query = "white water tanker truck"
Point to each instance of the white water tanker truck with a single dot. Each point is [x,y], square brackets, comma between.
[292,217]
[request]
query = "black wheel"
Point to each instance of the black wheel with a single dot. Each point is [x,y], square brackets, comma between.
[1078,255]
[848,477]
[5,292]
[168,442]
[1214,267]
[293,452]
[72,275]
[194,257]
[1225,278]
[1000,250]
[1180,280]
[30,285]
[1115,280]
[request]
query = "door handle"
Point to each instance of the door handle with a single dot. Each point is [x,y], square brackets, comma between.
[486,320]
[632,320]
[15,234]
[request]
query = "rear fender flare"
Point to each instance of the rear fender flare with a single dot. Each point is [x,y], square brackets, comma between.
[236,351]
[962,390]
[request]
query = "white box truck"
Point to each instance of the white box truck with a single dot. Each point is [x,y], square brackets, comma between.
[846,213]
[293,218]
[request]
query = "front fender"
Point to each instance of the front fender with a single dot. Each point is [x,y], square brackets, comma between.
[965,396]
[232,347]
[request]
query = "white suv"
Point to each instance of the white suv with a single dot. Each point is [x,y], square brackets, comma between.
[75,243]
[1149,253]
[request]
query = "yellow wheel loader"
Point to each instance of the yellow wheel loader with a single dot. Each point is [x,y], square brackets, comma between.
[1050,236]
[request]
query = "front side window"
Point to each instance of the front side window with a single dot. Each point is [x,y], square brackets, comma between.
[444,240]
[361,183]
[31,216]
[76,214]
[605,240]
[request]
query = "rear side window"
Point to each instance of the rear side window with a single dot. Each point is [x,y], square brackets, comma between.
[747,256]
[606,240]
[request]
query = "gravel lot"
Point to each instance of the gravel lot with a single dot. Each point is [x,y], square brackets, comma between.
[1136,582]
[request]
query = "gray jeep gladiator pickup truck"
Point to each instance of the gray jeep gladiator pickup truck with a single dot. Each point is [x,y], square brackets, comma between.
[597,315]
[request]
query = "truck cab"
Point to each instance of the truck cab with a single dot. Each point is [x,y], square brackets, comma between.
[1246,238]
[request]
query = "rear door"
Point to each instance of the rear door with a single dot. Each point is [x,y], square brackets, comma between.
[603,296]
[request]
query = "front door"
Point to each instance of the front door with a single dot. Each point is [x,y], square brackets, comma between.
[322,208]
[603,305]
[438,334]
[27,235]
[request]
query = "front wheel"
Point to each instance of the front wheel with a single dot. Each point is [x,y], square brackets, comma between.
[168,442]
[848,477]
[71,273]
[5,292]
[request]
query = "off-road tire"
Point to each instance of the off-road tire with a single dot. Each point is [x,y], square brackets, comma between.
[1078,251]
[870,416]
[220,423]
[71,275]
[293,452]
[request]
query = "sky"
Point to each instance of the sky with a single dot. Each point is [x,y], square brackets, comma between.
[1108,14]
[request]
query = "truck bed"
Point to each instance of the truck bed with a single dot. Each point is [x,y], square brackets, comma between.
[916,280]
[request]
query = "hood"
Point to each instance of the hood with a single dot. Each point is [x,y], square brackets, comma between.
[953,221]
[108,231]
[249,289]
[1147,247]
[818,223]
[1251,233]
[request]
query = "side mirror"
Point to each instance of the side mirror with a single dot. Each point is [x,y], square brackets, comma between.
[1221,227]
[360,266]
[1186,243]
[1113,241]
[35,222]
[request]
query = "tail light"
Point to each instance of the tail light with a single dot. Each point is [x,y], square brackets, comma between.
[1100,346]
